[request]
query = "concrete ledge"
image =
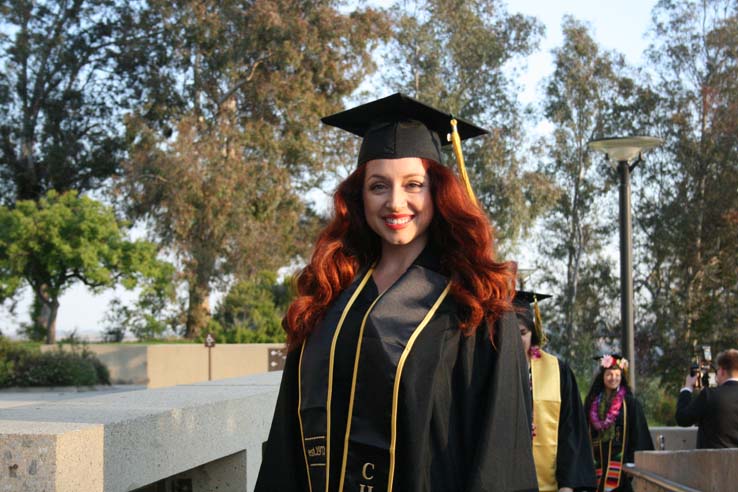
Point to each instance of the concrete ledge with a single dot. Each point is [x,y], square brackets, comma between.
[124,441]
[161,365]
[701,469]
[646,481]
[674,438]
[50,456]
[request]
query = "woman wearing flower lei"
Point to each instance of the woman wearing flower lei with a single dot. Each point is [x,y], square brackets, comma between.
[617,425]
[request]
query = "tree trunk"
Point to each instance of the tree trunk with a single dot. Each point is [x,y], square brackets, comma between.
[53,309]
[198,310]
[45,311]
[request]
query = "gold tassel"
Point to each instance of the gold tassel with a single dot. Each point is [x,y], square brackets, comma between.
[539,322]
[456,141]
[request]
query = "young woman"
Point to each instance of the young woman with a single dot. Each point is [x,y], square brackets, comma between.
[561,448]
[405,369]
[617,425]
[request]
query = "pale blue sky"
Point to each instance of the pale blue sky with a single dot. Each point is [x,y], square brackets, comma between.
[619,26]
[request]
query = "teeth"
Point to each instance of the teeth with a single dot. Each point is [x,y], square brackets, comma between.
[392,221]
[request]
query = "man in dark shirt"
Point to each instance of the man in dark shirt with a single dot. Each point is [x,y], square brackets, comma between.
[715,410]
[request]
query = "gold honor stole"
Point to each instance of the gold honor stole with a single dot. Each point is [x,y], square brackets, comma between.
[546,411]
[387,333]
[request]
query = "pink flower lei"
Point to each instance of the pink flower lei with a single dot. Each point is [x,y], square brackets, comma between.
[612,412]
[534,352]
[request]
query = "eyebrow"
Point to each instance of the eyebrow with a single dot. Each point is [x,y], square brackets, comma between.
[413,175]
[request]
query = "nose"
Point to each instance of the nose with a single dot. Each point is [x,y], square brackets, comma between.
[397,200]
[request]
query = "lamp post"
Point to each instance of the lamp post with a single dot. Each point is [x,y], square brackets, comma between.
[624,154]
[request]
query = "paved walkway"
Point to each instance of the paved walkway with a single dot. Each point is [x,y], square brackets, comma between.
[19,397]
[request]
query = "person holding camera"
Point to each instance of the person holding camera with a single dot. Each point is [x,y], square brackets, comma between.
[715,410]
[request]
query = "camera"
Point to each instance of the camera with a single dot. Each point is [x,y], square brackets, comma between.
[703,367]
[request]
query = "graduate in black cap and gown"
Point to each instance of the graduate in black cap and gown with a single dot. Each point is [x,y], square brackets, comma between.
[561,447]
[617,424]
[405,371]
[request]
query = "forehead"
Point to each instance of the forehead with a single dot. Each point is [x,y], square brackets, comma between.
[612,371]
[406,166]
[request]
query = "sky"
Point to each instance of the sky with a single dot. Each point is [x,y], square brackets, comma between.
[619,26]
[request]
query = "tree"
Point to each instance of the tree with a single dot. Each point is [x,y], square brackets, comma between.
[223,214]
[587,96]
[227,141]
[689,278]
[452,55]
[253,309]
[63,239]
[60,92]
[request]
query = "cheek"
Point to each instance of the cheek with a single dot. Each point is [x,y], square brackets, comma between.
[526,340]
[425,205]
[371,205]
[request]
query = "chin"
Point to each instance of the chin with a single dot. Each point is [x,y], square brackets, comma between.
[399,242]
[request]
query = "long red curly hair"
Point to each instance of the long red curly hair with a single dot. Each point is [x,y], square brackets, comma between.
[459,230]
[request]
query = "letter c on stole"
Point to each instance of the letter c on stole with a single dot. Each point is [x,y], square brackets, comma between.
[364,472]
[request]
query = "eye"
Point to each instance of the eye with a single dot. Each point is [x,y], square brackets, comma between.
[377,186]
[415,185]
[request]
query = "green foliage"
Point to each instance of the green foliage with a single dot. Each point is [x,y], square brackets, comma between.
[24,366]
[588,96]
[252,311]
[659,401]
[688,205]
[34,331]
[227,139]
[151,316]
[60,90]
[451,54]
[63,239]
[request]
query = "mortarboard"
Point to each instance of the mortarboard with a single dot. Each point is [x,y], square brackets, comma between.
[399,126]
[528,312]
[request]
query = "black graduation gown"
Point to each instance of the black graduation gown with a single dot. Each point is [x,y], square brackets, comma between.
[574,465]
[634,430]
[461,413]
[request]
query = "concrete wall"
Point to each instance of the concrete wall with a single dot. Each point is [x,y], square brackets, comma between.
[50,456]
[707,470]
[127,363]
[162,365]
[169,365]
[674,438]
[129,440]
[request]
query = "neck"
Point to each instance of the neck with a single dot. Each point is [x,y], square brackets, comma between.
[609,392]
[728,377]
[395,261]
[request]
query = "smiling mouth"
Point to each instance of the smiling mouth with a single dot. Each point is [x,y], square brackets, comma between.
[398,220]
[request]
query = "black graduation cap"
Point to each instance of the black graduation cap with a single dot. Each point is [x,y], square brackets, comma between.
[399,126]
[526,304]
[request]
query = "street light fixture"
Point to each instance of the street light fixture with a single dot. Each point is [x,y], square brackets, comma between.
[624,154]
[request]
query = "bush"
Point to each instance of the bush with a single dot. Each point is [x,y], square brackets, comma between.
[25,366]
[57,368]
[101,370]
[11,355]
[659,403]
[241,334]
